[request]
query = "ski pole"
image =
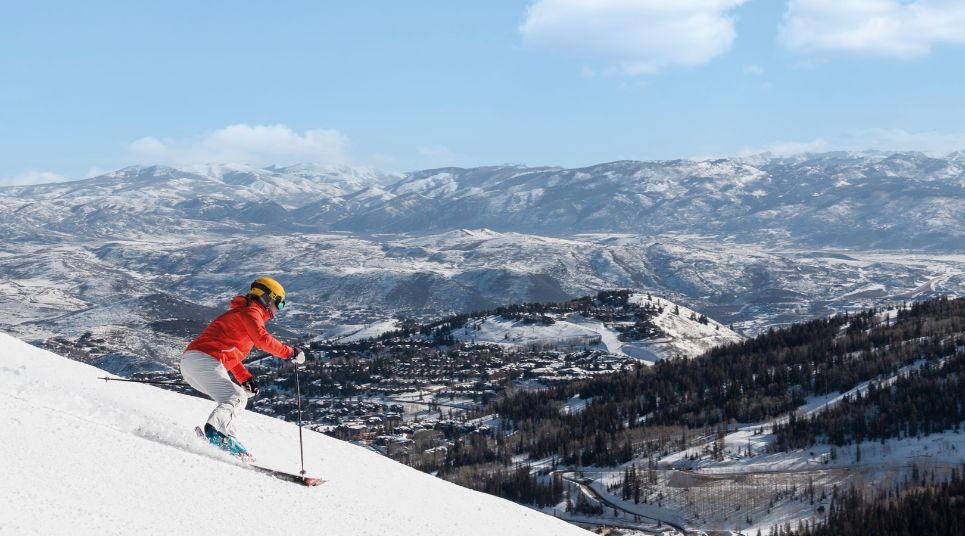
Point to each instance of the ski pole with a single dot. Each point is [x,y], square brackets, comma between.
[298,402]
[154,382]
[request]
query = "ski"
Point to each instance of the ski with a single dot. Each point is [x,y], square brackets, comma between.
[281,475]
[288,477]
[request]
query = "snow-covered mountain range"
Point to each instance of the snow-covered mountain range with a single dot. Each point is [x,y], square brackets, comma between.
[148,254]
[87,457]
[863,200]
[159,199]
[899,200]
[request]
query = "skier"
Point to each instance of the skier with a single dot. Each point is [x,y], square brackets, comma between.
[222,347]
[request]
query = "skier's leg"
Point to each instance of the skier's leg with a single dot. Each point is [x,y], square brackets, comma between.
[191,363]
[197,369]
[206,374]
[231,402]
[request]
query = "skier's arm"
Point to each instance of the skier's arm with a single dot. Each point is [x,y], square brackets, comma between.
[262,339]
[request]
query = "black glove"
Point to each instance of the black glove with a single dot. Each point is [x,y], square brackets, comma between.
[250,387]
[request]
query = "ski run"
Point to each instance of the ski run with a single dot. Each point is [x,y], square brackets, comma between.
[86,457]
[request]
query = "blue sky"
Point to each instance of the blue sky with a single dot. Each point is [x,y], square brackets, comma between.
[88,87]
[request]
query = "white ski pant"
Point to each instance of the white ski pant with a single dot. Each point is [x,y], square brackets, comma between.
[208,375]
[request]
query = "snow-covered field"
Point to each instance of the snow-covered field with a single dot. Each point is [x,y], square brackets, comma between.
[498,330]
[83,456]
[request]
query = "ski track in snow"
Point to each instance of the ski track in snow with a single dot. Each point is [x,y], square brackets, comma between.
[83,456]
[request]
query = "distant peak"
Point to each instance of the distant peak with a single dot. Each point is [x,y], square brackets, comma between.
[481,233]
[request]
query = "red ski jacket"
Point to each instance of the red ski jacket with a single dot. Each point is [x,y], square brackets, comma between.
[230,337]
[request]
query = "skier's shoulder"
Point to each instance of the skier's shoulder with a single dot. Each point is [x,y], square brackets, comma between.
[239,310]
[246,308]
[238,302]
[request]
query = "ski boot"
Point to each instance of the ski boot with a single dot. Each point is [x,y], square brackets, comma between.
[227,443]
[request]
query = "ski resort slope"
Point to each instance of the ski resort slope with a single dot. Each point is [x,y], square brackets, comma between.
[83,456]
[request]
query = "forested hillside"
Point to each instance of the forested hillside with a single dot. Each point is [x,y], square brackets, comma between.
[752,381]
[921,506]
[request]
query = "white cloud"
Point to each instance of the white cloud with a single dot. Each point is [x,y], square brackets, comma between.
[890,28]
[32,177]
[634,36]
[247,144]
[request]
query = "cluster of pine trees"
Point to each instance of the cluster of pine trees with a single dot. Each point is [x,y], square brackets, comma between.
[927,400]
[912,509]
[636,481]
[516,484]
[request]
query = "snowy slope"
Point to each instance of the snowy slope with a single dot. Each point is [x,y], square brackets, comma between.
[82,456]
[682,335]
[345,333]
[685,337]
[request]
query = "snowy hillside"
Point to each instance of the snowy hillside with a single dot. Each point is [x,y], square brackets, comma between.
[681,333]
[82,456]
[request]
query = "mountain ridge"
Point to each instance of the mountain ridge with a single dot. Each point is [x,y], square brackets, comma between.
[903,200]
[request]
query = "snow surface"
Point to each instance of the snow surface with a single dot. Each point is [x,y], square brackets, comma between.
[497,330]
[84,456]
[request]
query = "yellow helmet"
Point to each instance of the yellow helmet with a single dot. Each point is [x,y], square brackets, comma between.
[267,290]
